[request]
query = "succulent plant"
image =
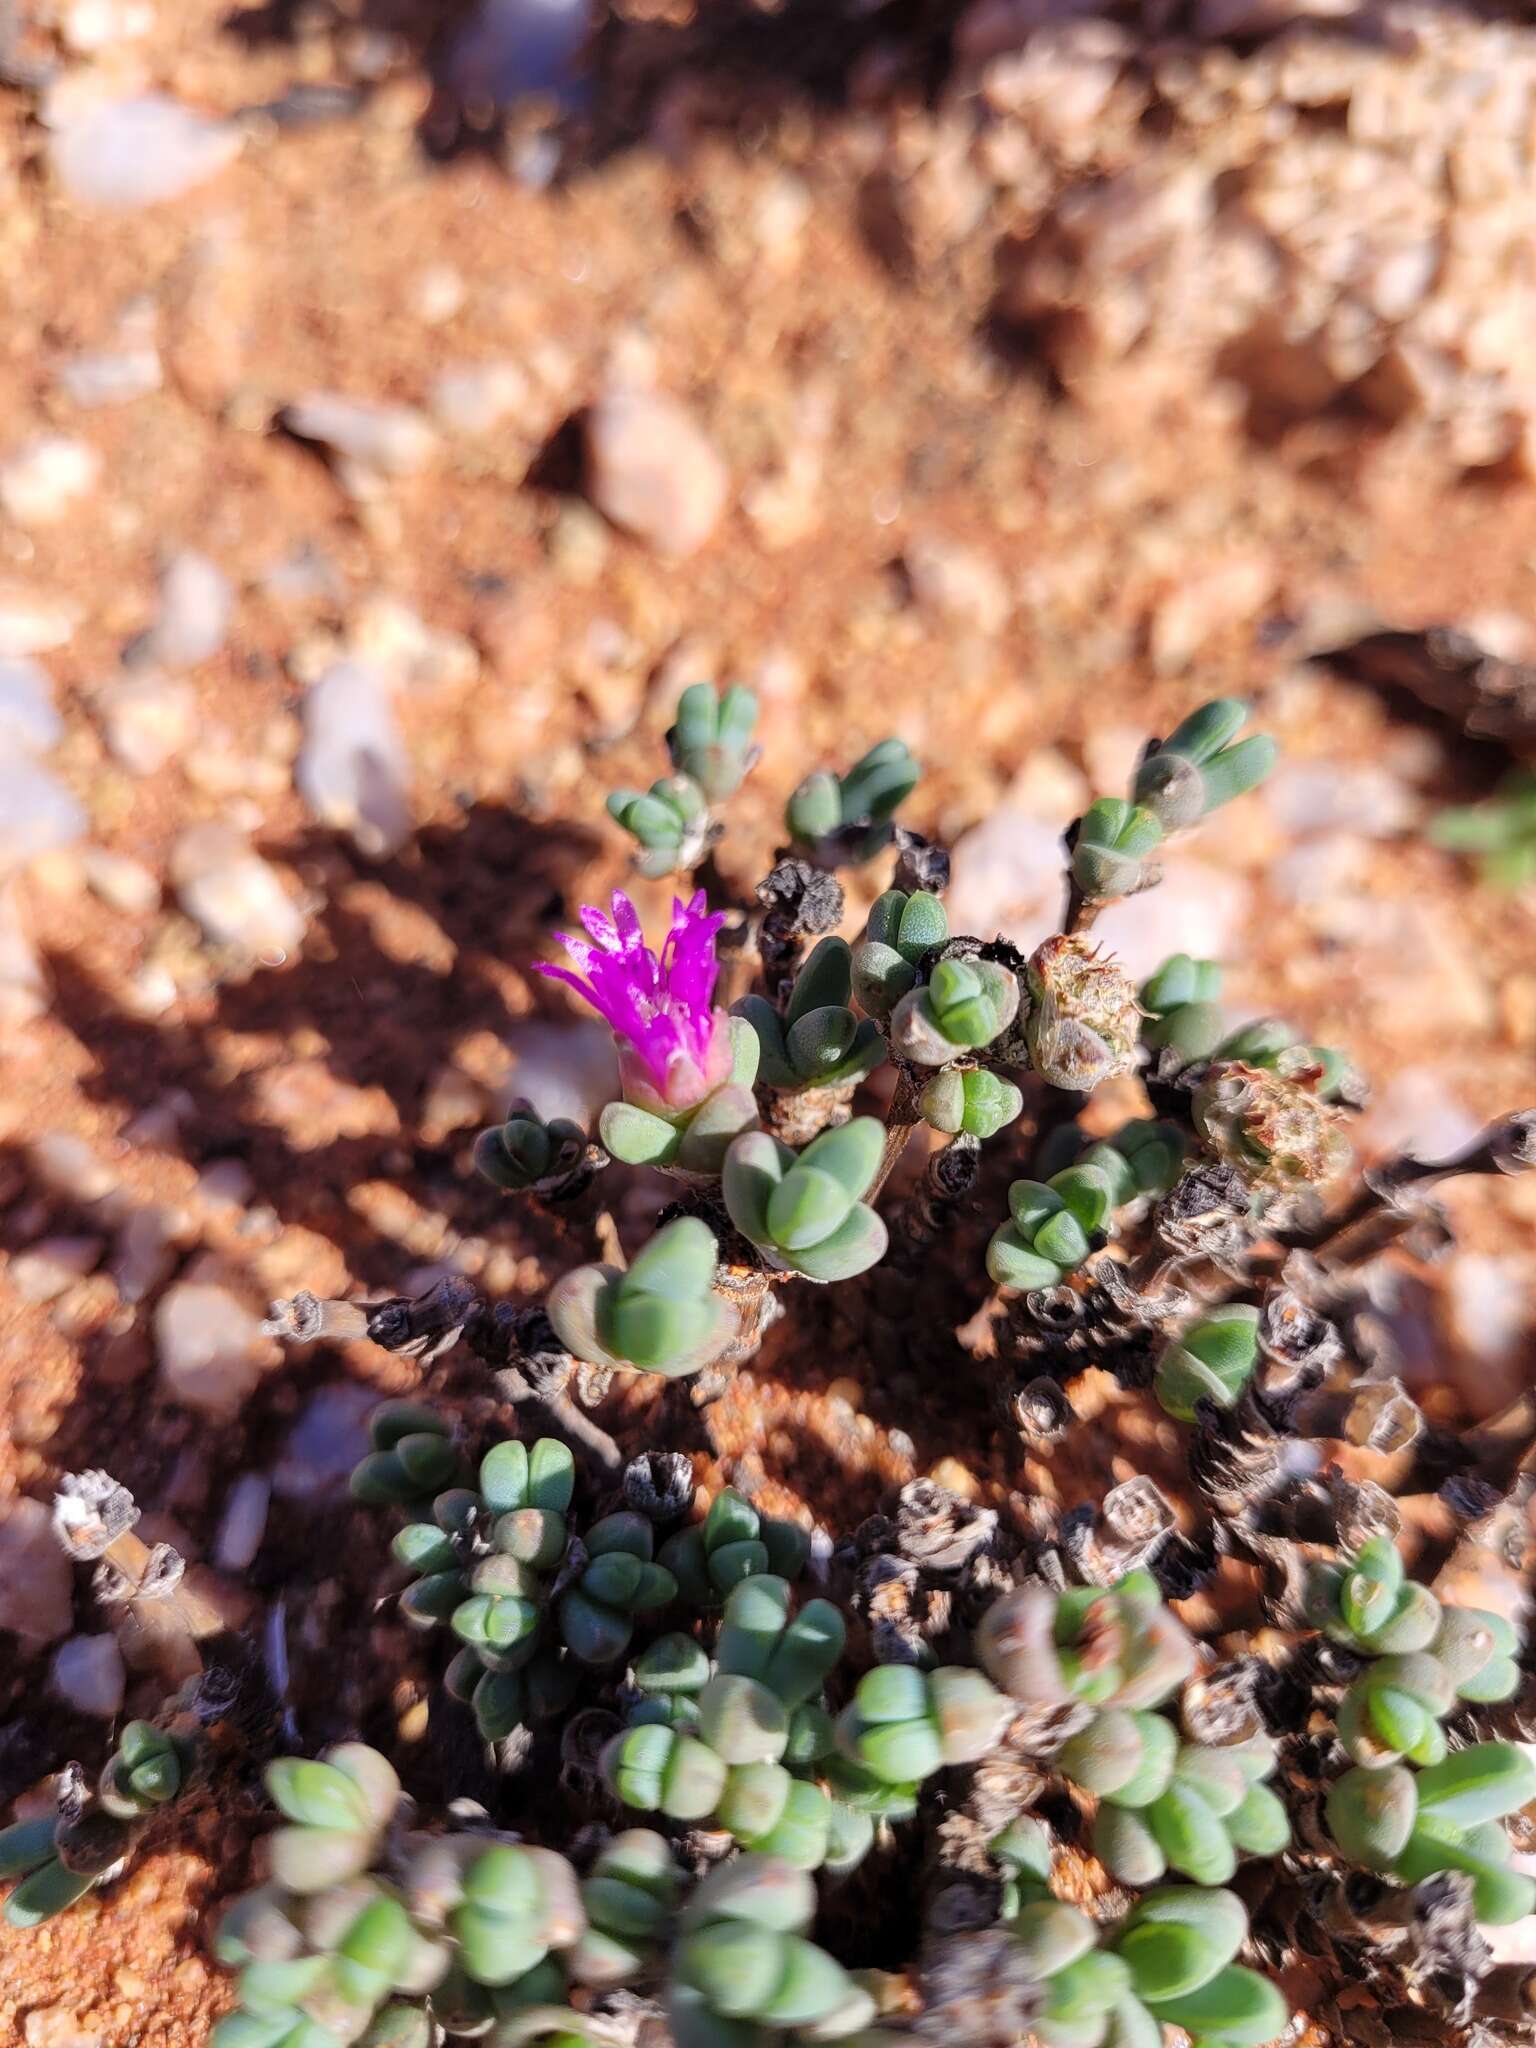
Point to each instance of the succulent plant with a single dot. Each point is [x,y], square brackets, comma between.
[903,1723]
[499,1565]
[1202,764]
[337,1807]
[1369,1604]
[1168,1963]
[1053,1225]
[1182,1005]
[746,1728]
[732,1543]
[711,740]
[1101,1647]
[1425,1657]
[744,1971]
[848,817]
[413,1459]
[743,1745]
[528,1152]
[1212,1360]
[669,823]
[972,1100]
[629,1898]
[964,1004]
[1166,1804]
[1410,1825]
[1115,842]
[899,930]
[1084,1018]
[56,1860]
[1499,832]
[818,1042]
[802,1210]
[659,1315]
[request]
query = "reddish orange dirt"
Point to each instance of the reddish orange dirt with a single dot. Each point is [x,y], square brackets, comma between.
[350,1079]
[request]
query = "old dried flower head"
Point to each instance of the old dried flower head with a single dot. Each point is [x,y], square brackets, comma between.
[1271,1124]
[674,1045]
[1085,1020]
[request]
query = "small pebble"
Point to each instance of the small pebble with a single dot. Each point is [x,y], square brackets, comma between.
[127,153]
[29,723]
[387,440]
[31,625]
[120,881]
[352,770]
[244,1522]
[472,399]
[37,814]
[45,1270]
[106,377]
[88,1675]
[23,980]
[325,1443]
[652,471]
[146,720]
[225,886]
[36,1582]
[195,606]
[208,1346]
[42,481]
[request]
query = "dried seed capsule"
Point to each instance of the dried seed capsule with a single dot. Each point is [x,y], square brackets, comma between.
[1085,1019]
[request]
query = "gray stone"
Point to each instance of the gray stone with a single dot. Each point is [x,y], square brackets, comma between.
[28,721]
[244,1522]
[325,1443]
[208,1347]
[36,1584]
[352,769]
[651,470]
[195,606]
[225,886]
[37,813]
[88,1675]
[126,153]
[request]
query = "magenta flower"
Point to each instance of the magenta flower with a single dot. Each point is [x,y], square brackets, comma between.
[674,1046]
